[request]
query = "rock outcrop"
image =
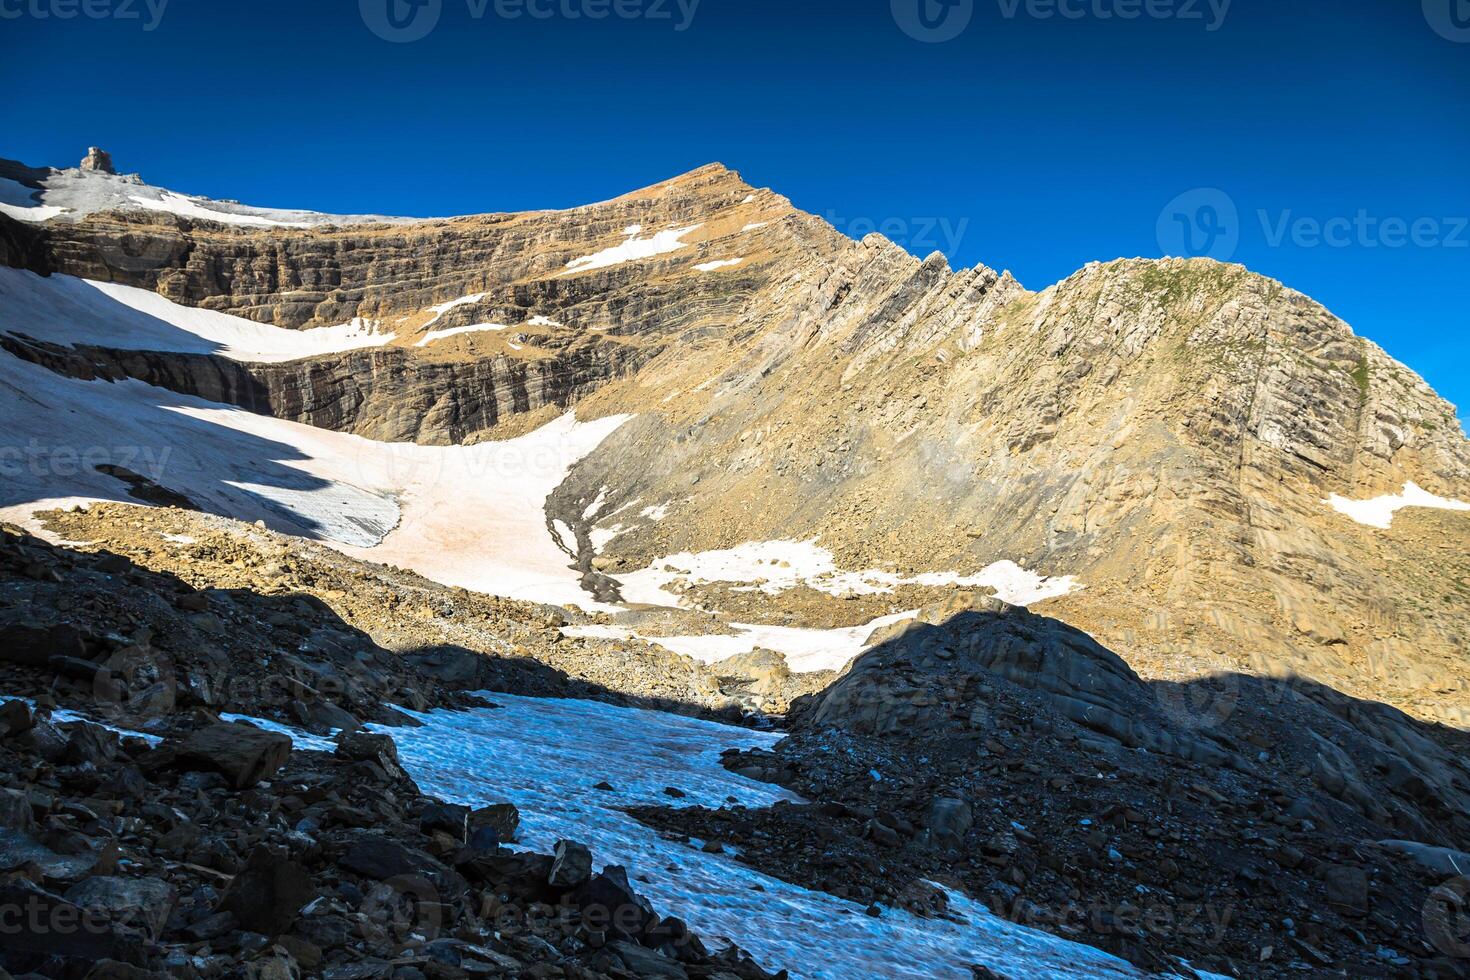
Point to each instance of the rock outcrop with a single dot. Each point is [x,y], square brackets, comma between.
[98,160]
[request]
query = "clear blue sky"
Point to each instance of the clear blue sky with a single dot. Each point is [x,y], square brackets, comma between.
[1026,142]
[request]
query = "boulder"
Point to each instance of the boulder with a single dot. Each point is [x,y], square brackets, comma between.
[381,750]
[573,865]
[269,894]
[15,718]
[242,754]
[88,744]
[34,646]
[447,818]
[503,818]
[52,926]
[133,903]
[948,820]
[608,903]
[379,857]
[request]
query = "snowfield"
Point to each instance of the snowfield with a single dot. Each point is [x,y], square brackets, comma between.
[21,203]
[462,516]
[632,250]
[718,264]
[198,208]
[806,650]
[1379,511]
[774,567]
[66,310]
[546,756]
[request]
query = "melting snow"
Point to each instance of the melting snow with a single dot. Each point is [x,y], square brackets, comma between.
[545,757]
[19,202]
[444,308]
[469,516]
[754,226]
[632,250]
[778,566]
[718,264]
[67,310]
[434,335]
[1379,511]
[806,650]
[197,207]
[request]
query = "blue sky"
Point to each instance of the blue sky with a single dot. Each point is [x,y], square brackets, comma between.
[1325,143]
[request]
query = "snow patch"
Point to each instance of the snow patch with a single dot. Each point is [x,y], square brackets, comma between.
[806,650]
[67,310]
[546,756]
[718,264]
[754,226]
[632,250]
[467,516]
[453,304]
[1379,511]
[21,203]
[774,567]
[197,207]
[434,335]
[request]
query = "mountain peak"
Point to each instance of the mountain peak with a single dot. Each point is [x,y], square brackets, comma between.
[98,160]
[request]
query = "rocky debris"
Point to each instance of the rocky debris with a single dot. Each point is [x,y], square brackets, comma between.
[98,160]
[1015,759]
[327,871]
[338,630]
[242,754]
[221,850]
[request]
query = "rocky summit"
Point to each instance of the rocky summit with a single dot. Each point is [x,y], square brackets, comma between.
[676,587]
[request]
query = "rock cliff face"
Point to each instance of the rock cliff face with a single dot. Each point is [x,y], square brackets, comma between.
[1166,431]
[386,395]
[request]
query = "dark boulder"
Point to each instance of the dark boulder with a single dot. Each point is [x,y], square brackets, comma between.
[242,754]
[270,893]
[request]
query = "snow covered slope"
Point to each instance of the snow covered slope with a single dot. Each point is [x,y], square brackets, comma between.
[66,310]
[467,516]
[546,757]
[37,195]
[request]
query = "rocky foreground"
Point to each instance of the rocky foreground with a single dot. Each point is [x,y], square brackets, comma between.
[1240,827]
[200,847]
